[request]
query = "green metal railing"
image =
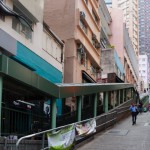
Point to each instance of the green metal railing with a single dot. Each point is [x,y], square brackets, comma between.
[20,123]
[103,122]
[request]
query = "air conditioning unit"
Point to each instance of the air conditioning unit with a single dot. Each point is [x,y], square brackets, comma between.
[80,48]
[93,36]
[98,45]
[82,15]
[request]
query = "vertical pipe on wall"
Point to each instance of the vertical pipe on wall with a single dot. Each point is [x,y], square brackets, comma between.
[79,104]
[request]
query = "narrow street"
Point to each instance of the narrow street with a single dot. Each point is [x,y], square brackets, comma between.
[123,136]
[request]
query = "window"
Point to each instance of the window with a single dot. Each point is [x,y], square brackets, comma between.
[51,46]
[21,26]
[93,70]
[82,55]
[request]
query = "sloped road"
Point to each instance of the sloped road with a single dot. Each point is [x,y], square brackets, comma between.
[123,136]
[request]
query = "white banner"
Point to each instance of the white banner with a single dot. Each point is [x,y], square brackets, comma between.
[62,139]
[86,128]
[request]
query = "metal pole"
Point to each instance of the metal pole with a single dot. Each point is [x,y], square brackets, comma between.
[123,95]
[119,95]
[53,113]
[79,101]
[1,91]
[43,140]
[114,99]
[95,105]
[106,102]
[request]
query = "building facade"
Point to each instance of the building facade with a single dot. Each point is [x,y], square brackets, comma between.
[130,60]
[31,46]
[144,29]
[130,15]
[105,25]
[121,41]
[143,70]
[79,27]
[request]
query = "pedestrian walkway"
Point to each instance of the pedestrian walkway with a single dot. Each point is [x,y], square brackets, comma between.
[123,136]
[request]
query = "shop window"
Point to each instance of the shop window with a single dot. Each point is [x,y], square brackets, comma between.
[21,26]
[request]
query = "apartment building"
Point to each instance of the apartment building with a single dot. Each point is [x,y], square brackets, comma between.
[123,45]
[78,24]
[111,64]
[143,70]
[144,29]
[130,15]
[130,60]
[28,46]
[105,25]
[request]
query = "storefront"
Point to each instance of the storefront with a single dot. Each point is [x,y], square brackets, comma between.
[22,99]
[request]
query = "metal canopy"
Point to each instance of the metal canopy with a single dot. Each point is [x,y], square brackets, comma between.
[11,68]
[68,90]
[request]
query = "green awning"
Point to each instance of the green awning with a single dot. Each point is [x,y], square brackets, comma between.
[11,68]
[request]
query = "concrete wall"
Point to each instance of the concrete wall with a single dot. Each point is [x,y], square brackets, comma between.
[60,16]
[107,62]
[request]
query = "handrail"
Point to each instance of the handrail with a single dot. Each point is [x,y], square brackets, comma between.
[35,134]
[43,132]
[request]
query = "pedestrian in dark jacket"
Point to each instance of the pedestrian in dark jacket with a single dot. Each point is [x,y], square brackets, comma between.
[133,110]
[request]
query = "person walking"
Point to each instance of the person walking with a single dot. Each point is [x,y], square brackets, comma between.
[133,110]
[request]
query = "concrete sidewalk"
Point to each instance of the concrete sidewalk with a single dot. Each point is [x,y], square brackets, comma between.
[123,136]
